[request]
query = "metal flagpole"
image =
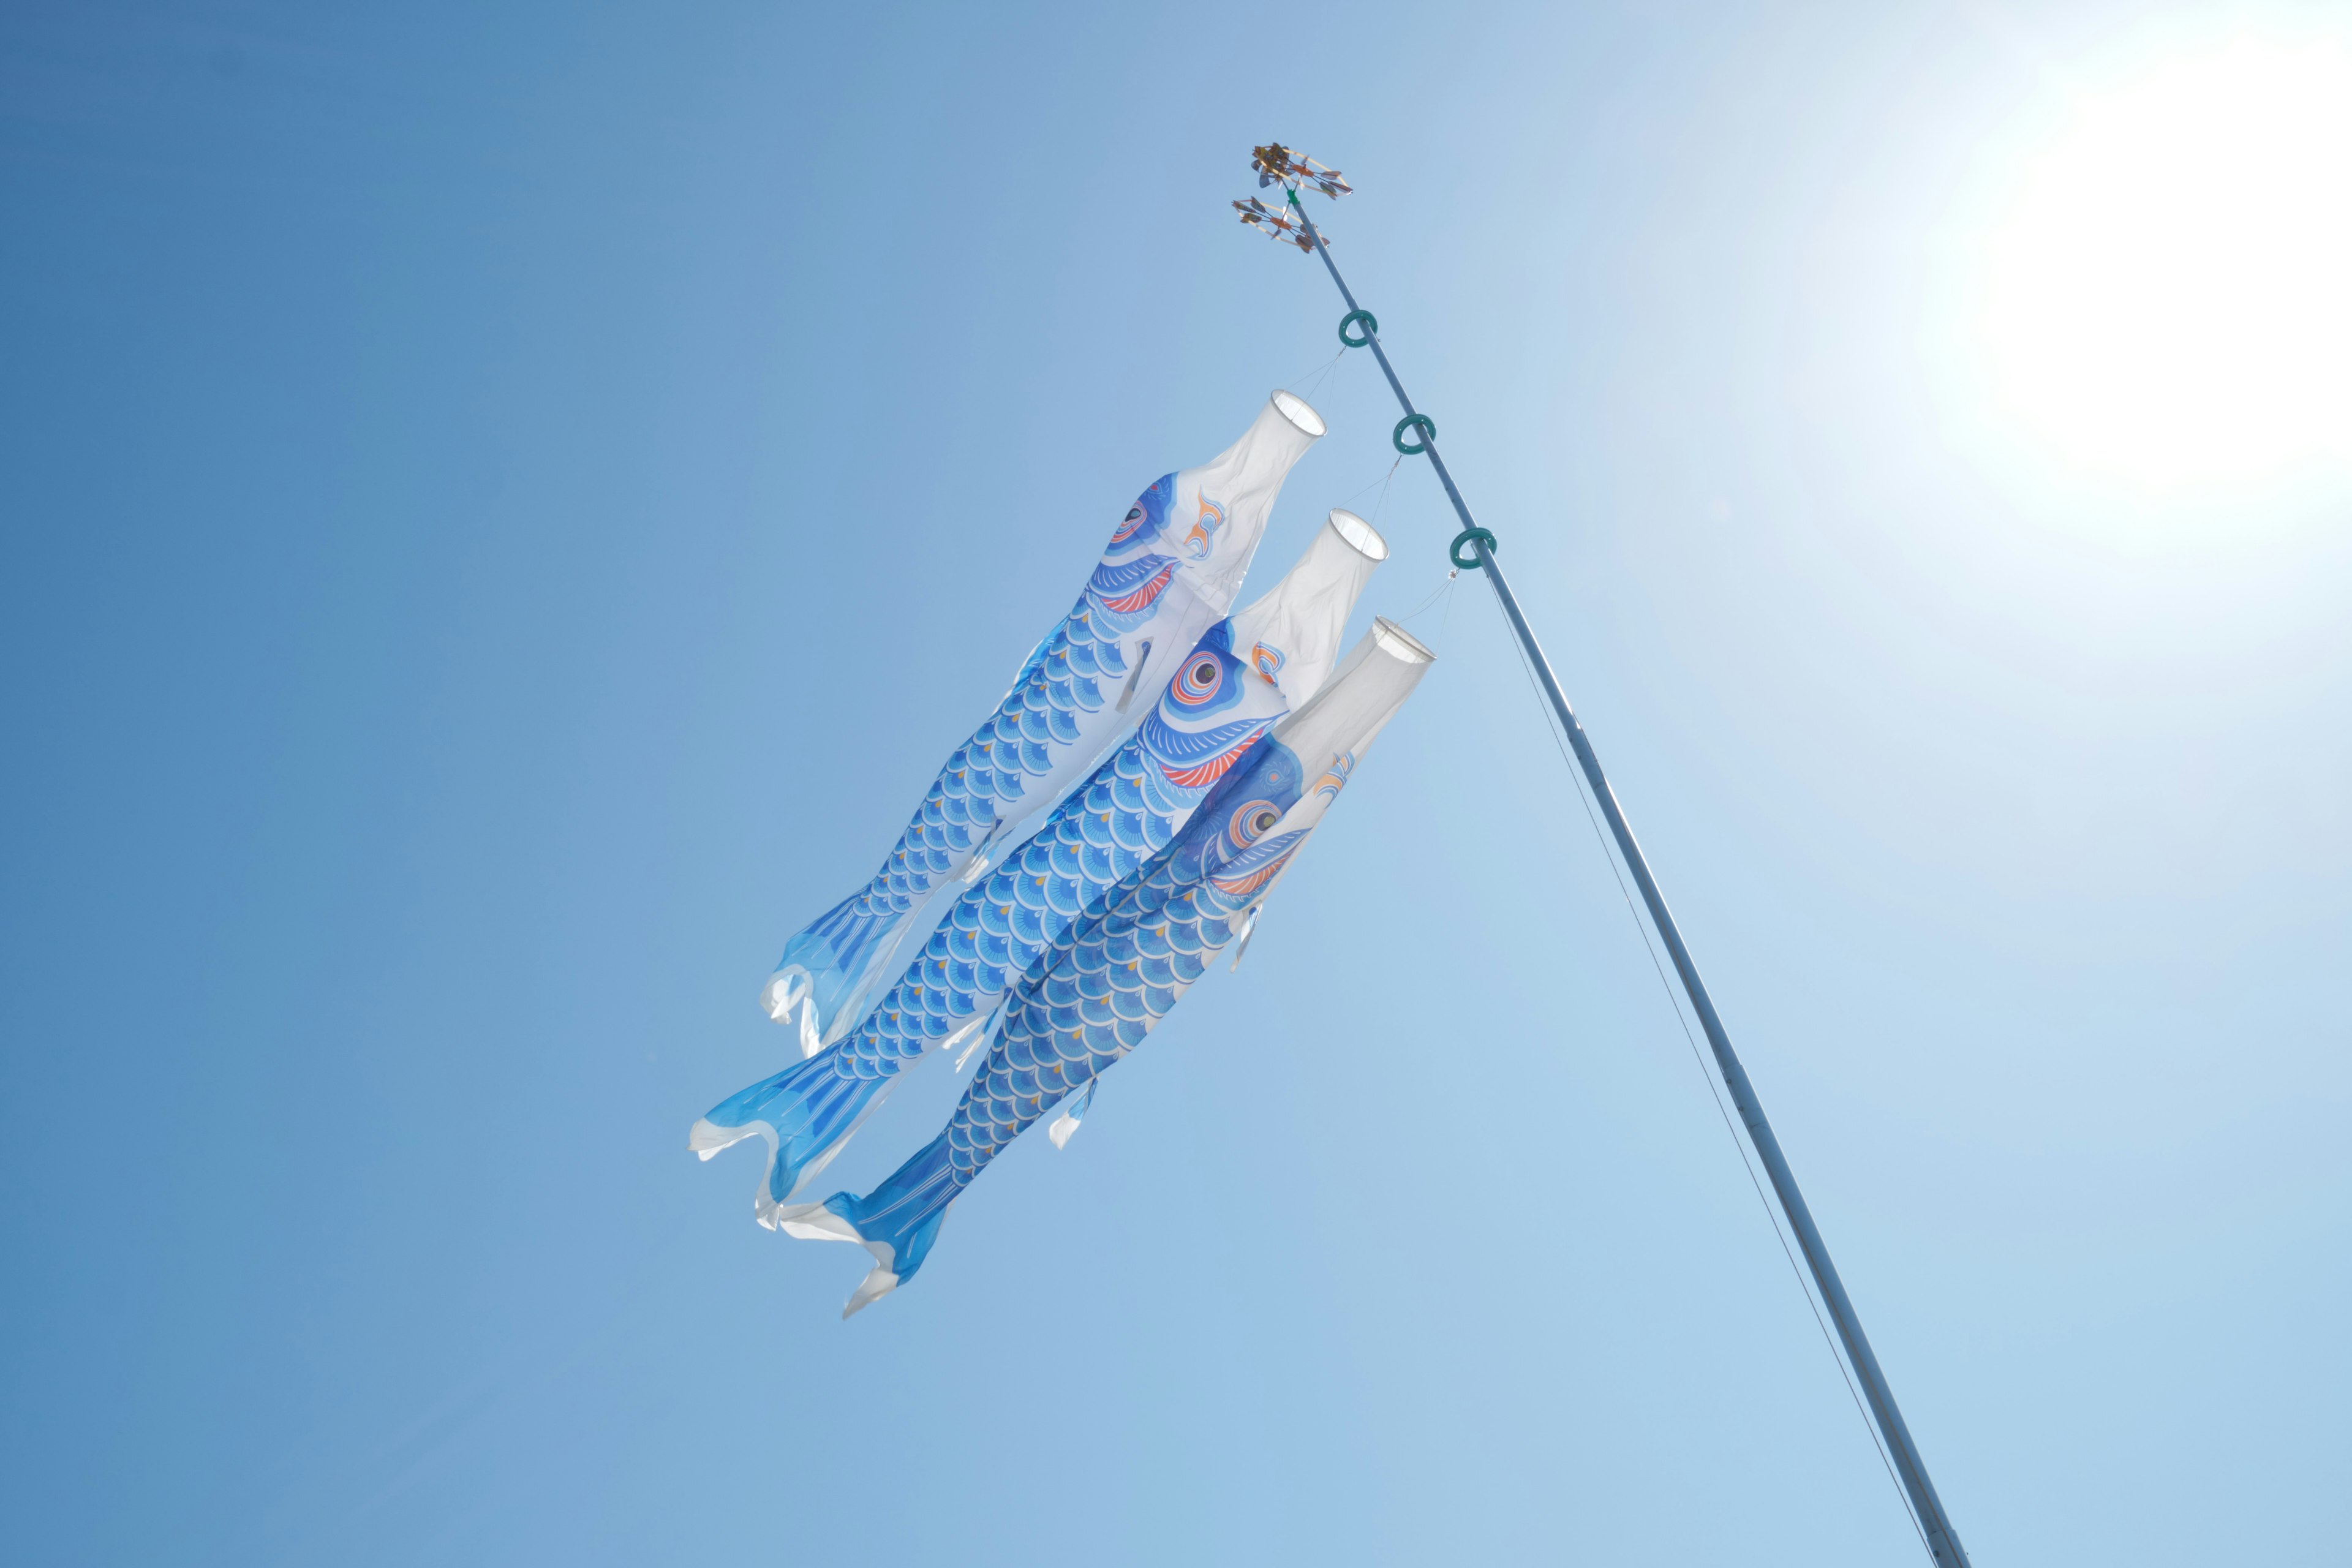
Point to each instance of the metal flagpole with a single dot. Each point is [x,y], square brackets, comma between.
[1942,1542]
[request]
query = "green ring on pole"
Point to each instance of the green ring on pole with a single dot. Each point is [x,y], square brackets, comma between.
[1428,434]
[1453,551]
[1372,325]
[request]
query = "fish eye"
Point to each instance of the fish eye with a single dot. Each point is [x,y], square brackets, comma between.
[1252,820]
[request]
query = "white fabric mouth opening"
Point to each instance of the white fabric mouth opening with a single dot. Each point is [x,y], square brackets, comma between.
[1295,409]
[1361,535]
[1399,643]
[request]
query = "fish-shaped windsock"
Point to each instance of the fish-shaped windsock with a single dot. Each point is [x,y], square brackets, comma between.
[1172,570]
[1110,979]
[1244,674]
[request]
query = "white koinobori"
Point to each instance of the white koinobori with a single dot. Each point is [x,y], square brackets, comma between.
[1172,568]
[1243,675]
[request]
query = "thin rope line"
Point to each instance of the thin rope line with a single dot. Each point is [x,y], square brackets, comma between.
[1423,608]
[1308,392]
[1386,485]
[1551,727]
[1384,479]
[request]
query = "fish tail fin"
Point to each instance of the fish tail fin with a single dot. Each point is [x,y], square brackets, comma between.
[831,967]
[1065,1127]
[806,1114]
[896,1222]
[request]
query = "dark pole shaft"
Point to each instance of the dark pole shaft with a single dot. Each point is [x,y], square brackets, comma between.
[1942,1542]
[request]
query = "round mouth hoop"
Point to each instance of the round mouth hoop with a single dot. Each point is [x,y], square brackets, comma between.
[1362,536]
[1294,408]
[1400,643]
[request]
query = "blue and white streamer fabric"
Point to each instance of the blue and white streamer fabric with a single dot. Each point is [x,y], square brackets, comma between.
[1113,975]
[1173,567]
[1245,673]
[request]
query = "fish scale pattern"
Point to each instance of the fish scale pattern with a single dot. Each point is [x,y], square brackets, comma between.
[1215,708]
[1106,982]
[1127,813]
[1030,731]
[1171,570]
[1044,728]
[1114,977]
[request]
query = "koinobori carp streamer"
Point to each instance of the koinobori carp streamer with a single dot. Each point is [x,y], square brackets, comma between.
[1172,568]
[1113,977]
[1245,673]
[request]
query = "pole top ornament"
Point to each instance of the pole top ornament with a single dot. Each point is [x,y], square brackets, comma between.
[1274,222]
[1276,163]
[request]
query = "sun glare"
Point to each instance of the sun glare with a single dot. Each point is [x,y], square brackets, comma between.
[2168,295]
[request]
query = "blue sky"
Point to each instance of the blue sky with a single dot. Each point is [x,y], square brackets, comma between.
[505,511]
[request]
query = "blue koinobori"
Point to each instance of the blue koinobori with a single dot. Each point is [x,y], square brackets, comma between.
[1173,566]
[1110,978]
[1245,673]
